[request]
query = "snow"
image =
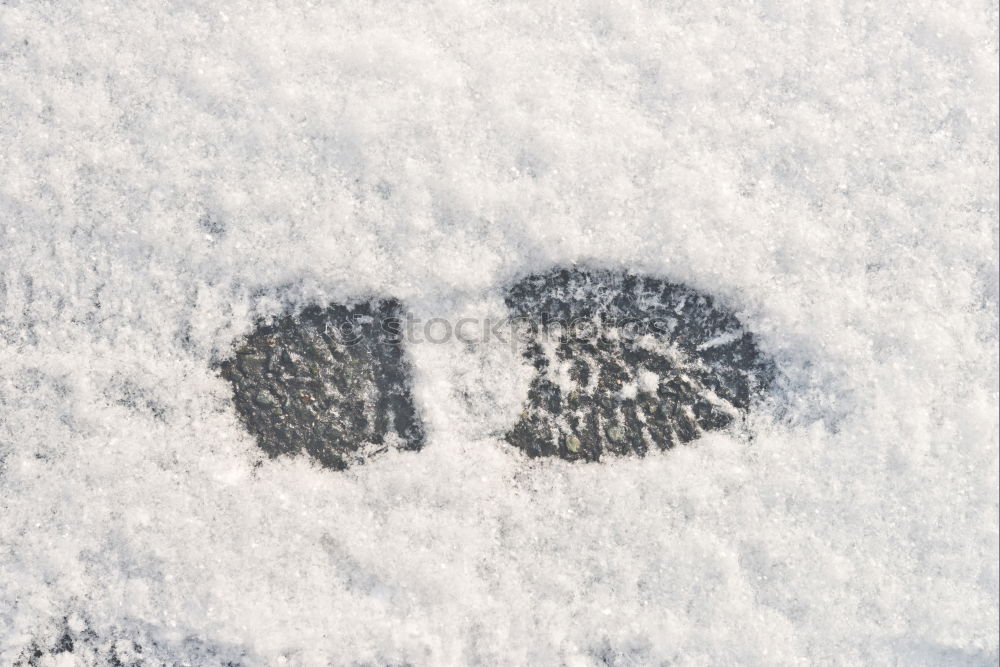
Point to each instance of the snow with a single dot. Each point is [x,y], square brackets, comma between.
[648,381]
[826,170]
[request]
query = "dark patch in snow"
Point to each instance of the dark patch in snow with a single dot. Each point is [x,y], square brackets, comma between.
[331,382]
[626,363]
[132,645]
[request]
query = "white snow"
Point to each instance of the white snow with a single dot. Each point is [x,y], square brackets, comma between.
[629,390]
[828,170]
[649,381]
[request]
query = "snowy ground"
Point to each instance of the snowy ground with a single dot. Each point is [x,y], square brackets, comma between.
[827,169]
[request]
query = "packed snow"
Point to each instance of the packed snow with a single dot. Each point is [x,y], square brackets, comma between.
[173,172]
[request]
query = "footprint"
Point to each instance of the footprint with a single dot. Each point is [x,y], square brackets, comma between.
[330,382]
[625,364]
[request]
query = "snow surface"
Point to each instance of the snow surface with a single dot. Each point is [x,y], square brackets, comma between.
[173,171]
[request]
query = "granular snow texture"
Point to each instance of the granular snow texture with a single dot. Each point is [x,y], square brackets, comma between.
[173,173]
